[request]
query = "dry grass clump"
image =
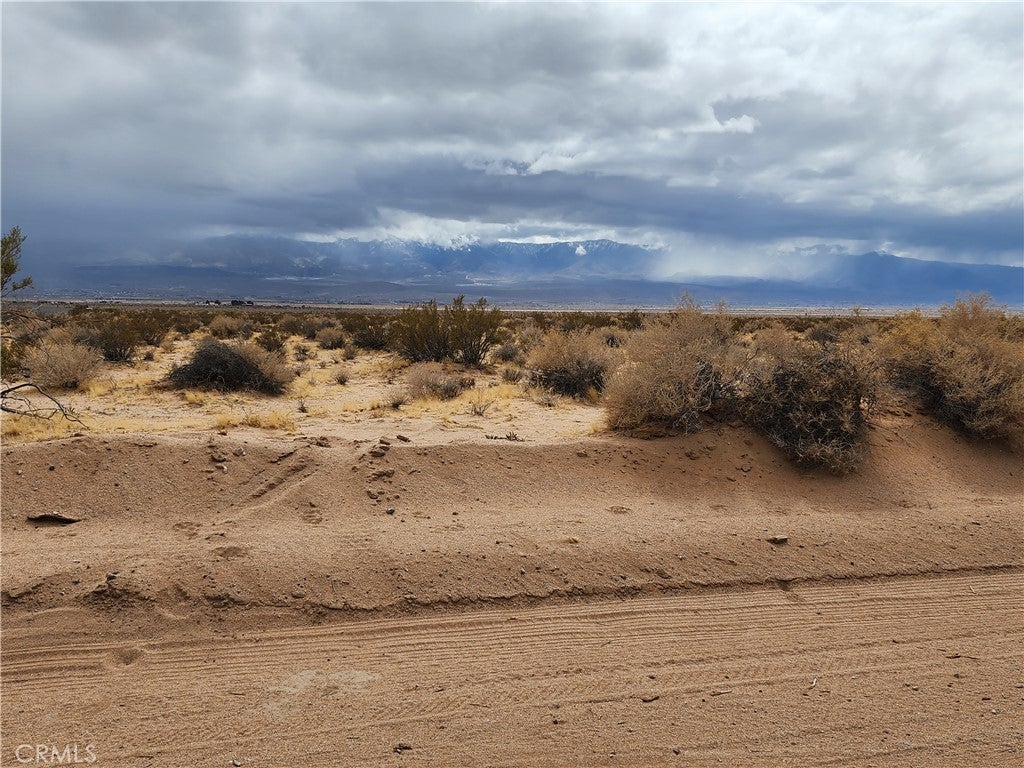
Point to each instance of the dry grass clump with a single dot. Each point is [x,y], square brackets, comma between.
[574,364]
[967,367]
[61,365]
[810,397]
[271,420]
[678,371]
[432,380]
[230,367]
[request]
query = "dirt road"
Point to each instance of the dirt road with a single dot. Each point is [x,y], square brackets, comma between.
[909,671]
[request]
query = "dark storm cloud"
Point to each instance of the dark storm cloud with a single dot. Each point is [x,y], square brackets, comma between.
[732,127]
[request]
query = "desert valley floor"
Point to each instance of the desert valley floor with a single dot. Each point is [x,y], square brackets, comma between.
[517,587]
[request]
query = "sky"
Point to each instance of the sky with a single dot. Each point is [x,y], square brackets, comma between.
[739,138]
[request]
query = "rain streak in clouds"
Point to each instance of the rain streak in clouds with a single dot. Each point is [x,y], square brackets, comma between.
[731,135]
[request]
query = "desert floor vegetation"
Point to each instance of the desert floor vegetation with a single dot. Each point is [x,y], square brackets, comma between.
[810,385]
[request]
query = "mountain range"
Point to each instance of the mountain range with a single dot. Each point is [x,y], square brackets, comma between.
[579,273]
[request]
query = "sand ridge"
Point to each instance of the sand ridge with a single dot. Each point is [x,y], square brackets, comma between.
[583,600]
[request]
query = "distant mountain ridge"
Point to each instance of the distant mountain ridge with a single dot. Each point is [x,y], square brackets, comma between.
[571,272]
[410,260]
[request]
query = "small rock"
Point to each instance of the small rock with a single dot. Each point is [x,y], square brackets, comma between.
[778,540]
[400,748]
[390,510]
[377,452]
[582,454]
[239,451]
[112,575]
[404,439]
[236,763]
[649,698]
[372,494]
[53,518]
[384,441]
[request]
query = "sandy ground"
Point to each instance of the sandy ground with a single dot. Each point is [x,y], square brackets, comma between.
[387,587]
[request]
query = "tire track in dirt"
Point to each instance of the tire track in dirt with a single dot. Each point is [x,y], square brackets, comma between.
[904,671]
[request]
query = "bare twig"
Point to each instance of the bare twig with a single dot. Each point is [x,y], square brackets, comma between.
[12,400]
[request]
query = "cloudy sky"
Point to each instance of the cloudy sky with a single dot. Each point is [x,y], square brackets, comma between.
[733,135]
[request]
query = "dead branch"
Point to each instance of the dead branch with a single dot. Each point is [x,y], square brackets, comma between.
[12,400]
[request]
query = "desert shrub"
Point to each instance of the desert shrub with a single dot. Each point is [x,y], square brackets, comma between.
[368,332]
[12,355]
[569,322]
[507,352]
[472,329]
[271,339]
[630,321]
[116,337]
[967,366]
[573,364]
[341,377]
[225,326]
[512,375]
[299,324]
[419,334]
[61,366]
[230,367]
[679,371]
[809,398]
[457,331]
[63,334]
[187,323]
[152,326]
[432,380]
[302,353]
[330,337]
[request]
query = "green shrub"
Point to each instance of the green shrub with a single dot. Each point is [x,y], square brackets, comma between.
[116,337]
[230,367]
[472,329]
[420,334]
